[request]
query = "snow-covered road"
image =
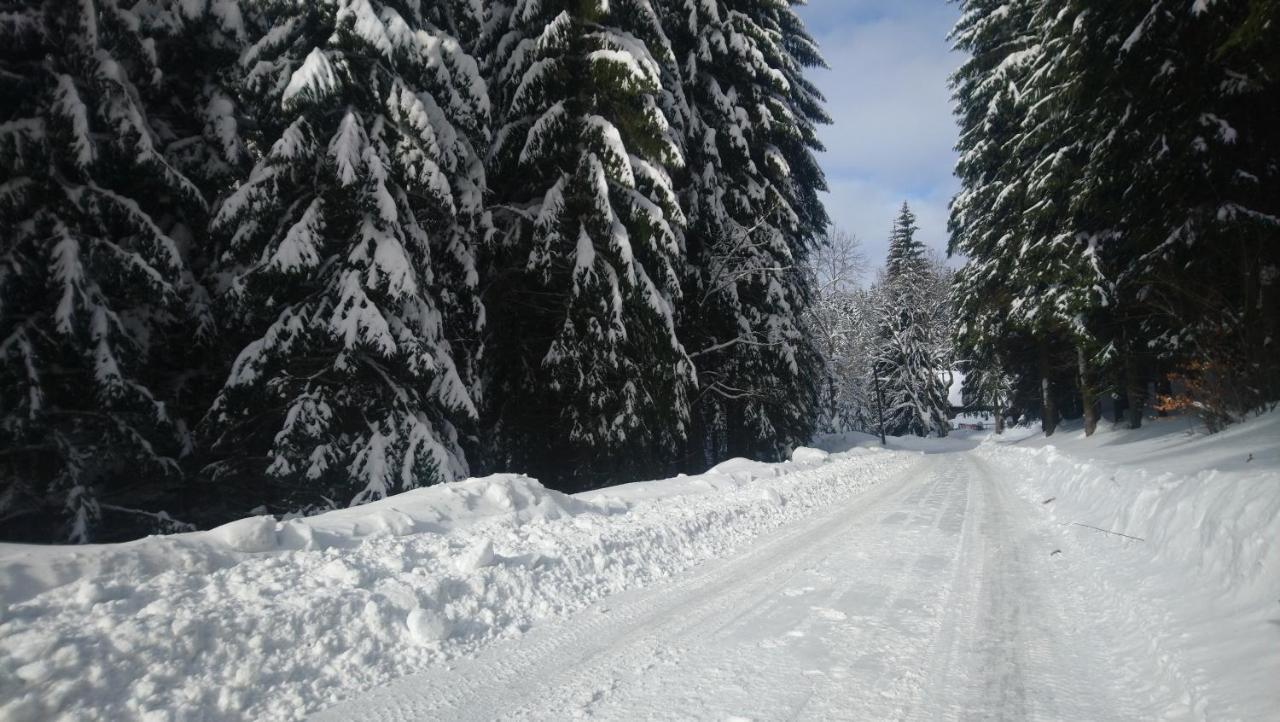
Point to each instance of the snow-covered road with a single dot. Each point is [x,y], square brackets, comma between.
[973,580]
[937,595]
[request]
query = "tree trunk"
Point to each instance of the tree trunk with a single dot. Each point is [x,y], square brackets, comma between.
[1088,394]
[1269,306]
[1119,405]
[880,408]
[1048,405]
[945,427]
[831,397]
[998,396]
[1134,391]
[698,454]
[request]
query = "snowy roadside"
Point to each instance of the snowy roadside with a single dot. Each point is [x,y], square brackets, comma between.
[267,620]
[1198,589]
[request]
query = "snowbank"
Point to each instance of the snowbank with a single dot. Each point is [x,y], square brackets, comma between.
[809,455]
[28,570]
[261,619]
[1200,582]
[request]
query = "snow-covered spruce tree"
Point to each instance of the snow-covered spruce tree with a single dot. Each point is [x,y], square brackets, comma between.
[1064,295]
[197,45]
[997,38]
[747,117]
[92,276]
[1180,191]
[909,361]
[348,261]
[1016,169]
[588,378]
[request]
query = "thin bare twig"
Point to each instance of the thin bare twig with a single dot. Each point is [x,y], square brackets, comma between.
[1107,531]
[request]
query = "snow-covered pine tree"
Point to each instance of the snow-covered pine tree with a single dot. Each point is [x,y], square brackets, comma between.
[588,377]
[748,119]
[997,37]
[92,274]
[349,260]
[1064,294]
[909,362]
[1018,161]
[1180,194]
[197,43]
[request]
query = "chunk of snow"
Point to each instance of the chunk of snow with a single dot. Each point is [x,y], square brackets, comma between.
[255,534]
[809,455]
[772,497]
[427,627]
[742,469]
[316,78]
[478,556]
[341,573]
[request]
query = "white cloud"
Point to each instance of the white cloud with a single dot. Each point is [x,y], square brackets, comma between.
[893,133]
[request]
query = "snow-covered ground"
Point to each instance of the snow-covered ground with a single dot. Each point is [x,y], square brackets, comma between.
[1198,598]
[865,585]
[266,620]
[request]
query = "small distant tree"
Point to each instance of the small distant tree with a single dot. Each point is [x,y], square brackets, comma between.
[910,362]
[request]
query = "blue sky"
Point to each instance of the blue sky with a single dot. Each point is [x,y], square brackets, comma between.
[893,134]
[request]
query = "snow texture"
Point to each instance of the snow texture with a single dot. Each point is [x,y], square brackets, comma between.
[1199,590]
[850,582]
[265,619]
[941,593]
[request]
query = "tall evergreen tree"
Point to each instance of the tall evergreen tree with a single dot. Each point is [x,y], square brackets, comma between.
[985,215]
[348,258]
[587,375]
[1015,167]
[748,122]
[1180,193]
[198,122]
[1115,170]
[93,275]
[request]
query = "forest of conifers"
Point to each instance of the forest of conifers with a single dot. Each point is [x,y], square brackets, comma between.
[1120,206]
[282,256]
[275,256]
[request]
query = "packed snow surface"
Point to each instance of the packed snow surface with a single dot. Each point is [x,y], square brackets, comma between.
[970,577]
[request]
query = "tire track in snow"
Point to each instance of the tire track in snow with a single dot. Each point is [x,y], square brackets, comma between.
[931,596]
[550,659]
